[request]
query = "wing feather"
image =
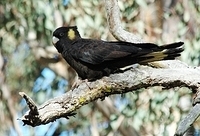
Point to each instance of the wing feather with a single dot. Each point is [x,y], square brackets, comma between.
[96,51]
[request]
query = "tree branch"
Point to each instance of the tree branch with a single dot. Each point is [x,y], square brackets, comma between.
[188,120]
[168,74]
[130,80]
[114,23]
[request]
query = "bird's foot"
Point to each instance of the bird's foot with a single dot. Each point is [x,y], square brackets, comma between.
[78,82]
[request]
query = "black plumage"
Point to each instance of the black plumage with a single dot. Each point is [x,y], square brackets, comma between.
[93,59]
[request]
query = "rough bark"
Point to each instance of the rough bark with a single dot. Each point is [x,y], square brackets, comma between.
[170,76]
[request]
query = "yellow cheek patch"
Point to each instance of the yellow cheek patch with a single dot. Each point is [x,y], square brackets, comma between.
[71,34]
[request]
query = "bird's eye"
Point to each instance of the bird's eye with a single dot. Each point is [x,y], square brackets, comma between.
[61,34]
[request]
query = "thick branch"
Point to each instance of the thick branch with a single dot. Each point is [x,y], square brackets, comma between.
[130,80]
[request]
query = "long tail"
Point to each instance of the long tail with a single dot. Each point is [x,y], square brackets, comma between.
[165,52]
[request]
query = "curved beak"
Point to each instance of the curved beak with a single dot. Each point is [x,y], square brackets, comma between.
[54,40]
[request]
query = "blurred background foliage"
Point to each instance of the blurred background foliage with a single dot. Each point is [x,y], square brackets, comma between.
[29,63]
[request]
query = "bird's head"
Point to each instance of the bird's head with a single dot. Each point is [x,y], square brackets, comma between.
[64,36]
